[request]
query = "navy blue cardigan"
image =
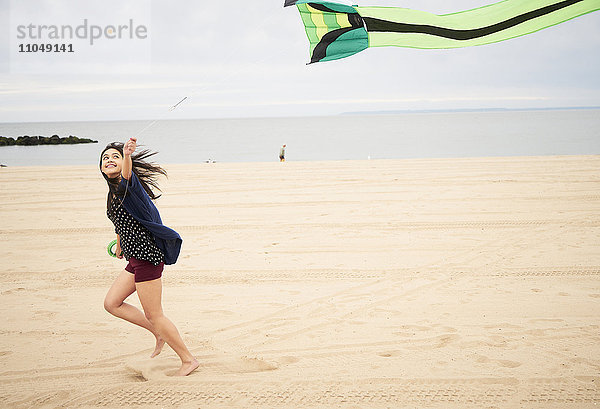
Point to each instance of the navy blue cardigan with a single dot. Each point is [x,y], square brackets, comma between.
[140,206]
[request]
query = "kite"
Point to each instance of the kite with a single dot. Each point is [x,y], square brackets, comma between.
[336,31]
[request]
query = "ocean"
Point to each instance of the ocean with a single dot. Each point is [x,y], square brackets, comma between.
[382,136]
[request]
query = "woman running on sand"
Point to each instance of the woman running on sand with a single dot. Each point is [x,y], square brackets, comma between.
[144,241]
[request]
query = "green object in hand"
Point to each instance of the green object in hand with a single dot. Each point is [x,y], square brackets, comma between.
[110,248]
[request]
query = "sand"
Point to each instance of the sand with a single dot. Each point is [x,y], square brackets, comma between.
[448,283]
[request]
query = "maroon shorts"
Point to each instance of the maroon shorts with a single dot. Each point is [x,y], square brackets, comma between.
[144,270]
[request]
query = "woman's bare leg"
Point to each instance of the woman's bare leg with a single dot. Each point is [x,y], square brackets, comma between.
[122,288]
[150,294]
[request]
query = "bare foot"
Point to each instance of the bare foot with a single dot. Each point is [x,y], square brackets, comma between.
[188,367]
[159,346]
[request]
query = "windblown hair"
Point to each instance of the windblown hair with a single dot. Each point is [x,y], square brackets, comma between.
[146,172]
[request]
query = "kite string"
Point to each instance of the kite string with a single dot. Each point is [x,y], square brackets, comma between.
[213,84]
[146,127]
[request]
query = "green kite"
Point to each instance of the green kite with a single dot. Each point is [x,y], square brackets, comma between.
[337,30]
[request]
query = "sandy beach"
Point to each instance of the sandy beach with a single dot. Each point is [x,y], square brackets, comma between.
[447,283]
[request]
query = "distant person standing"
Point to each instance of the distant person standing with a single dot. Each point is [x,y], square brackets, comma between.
[282,154]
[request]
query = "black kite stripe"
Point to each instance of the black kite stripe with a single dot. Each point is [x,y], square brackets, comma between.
[320,50]
[377,25]
[353,18]
[321,7]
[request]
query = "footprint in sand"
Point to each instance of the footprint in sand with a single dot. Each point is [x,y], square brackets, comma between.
[157,369]
[391,353]
[508,364]
[41,314]
[287,360]
[444,340]
[502,362]
[481,359]
[246,365]
[152,370]
[13,290]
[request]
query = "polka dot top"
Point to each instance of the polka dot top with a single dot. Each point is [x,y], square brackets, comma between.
[136,239]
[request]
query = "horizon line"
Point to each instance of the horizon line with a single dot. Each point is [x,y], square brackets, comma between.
[347,113]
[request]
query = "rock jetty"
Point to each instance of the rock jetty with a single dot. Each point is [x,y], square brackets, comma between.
[26,140]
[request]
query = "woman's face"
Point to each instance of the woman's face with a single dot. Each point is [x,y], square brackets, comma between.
[112,162]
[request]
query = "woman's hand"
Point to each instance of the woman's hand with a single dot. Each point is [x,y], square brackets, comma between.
[130,146]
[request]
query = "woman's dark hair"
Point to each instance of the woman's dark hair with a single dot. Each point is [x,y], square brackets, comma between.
[146,172]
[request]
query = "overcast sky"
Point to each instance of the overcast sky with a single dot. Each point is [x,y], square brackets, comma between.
[248,58]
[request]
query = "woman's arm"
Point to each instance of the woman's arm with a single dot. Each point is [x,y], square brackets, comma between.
[118,251]
[128,149]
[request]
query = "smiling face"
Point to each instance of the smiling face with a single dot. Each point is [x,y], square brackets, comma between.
[112,162]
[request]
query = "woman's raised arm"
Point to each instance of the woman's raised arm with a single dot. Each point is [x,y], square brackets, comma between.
[128,149]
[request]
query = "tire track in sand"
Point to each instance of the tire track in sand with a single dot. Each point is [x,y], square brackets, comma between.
[577,392]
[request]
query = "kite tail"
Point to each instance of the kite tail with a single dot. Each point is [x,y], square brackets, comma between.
[496,22]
